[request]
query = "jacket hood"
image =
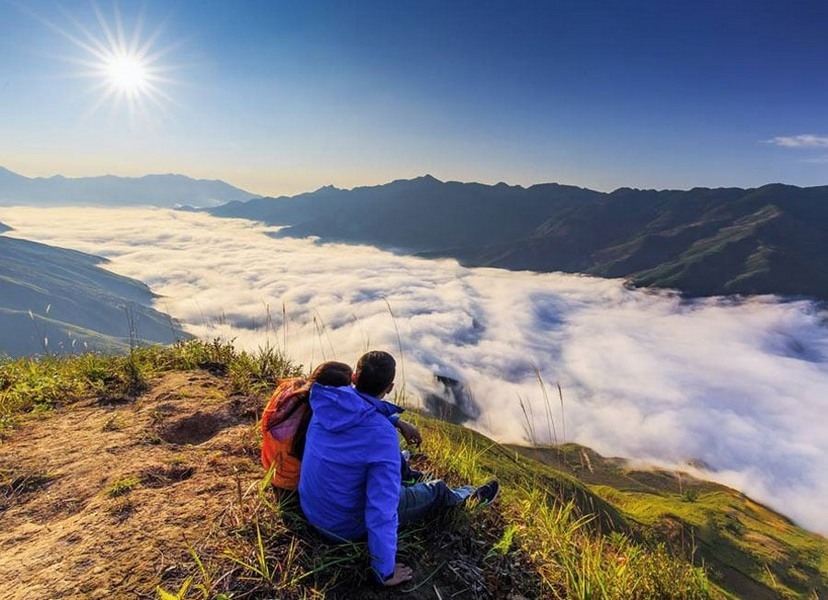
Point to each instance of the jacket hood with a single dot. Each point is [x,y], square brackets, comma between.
[339,408]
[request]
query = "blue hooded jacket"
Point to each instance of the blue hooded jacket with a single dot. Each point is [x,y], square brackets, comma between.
[349,485]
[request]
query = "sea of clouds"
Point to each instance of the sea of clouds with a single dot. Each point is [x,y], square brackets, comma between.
[739,386]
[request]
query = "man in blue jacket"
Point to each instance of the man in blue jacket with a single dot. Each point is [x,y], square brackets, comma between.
[349,486]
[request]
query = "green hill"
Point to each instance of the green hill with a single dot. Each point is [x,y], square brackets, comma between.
[158,491]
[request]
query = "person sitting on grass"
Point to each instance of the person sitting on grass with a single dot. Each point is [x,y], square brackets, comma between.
[349,486]
[285,423]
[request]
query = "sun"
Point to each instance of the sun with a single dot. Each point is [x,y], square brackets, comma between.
[127,73]
[127,66]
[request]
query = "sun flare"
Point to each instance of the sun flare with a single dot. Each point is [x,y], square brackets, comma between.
[125,63]
[127,73]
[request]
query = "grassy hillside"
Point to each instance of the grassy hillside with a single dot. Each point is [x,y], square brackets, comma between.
[749,549]
[54,300]
[186,509]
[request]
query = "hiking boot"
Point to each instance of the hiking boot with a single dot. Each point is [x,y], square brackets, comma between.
[486,493]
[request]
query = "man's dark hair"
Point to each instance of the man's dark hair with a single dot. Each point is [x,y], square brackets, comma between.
[335,374]
[375,371]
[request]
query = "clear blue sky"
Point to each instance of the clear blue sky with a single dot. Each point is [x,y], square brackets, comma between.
[283,97]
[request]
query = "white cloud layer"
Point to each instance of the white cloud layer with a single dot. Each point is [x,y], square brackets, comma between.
[741,386]
[807,140]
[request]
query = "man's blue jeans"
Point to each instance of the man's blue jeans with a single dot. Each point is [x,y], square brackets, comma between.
[422,499]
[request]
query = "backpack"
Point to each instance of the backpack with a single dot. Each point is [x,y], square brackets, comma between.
[284,426]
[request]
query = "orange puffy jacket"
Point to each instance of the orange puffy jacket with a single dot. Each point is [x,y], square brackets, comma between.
[284,426]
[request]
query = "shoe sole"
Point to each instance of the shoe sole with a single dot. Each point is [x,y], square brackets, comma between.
[485,503]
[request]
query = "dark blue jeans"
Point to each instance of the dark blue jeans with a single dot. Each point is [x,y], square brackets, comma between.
[422,499]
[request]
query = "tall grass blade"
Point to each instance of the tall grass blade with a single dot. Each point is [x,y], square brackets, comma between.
[399,346]
[550,422]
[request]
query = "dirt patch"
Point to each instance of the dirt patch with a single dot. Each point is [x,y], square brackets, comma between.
[17,482]
[164,475]
[65,534]
[192,429]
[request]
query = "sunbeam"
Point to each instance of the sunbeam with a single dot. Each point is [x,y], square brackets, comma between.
[124,63]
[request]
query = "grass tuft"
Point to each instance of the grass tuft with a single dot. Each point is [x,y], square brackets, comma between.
[123,486]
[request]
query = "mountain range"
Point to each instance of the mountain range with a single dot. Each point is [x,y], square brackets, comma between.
[54,300]
[767,240]
[109,190]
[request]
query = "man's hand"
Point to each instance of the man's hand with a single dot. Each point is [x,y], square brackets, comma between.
[401,574]
[410,432]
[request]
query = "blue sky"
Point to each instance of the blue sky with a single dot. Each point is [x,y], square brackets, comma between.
[284,97]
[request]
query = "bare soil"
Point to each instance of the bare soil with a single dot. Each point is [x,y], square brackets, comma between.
[102,500]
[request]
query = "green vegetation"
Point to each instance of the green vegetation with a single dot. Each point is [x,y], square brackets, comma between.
[580,546]
[122,486]
[568,523]
[44,383]
[747,548]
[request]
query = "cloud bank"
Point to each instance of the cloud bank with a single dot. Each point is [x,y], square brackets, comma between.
[738,385]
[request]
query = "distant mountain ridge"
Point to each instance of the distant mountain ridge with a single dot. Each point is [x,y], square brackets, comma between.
[110,190]
[767,240]
[61,301]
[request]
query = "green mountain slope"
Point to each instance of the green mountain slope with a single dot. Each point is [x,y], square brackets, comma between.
[772,239]
[55,300]
[703,242]
[750,550]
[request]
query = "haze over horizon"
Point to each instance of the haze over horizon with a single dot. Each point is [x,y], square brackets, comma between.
[285,98]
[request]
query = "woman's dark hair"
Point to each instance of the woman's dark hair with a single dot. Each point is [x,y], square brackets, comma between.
[335,374]
[375,371]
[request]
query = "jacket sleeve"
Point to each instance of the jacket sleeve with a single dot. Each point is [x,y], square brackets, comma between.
[382,496]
